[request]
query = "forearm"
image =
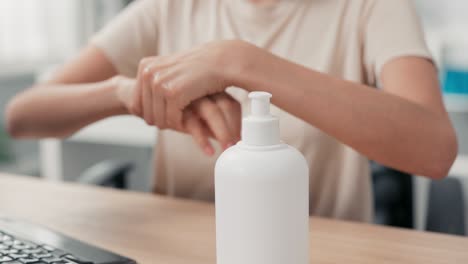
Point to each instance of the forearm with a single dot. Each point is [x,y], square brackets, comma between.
[384,127]
[58,110]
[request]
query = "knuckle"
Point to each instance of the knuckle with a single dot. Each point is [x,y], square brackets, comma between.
[170,94]
[156,80]
[147,73]
[147,60]
[156,83]
[144,63]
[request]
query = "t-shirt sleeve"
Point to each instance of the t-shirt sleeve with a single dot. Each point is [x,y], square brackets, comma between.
[131,36]
[392,30]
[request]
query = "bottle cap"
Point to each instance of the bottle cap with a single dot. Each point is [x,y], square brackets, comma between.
[260,128]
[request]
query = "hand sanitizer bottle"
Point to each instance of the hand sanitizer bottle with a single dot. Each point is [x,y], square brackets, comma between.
[262,195]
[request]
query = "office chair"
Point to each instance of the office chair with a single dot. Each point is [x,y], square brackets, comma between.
[108,173]
[393,201]
[393,197]
[446,209]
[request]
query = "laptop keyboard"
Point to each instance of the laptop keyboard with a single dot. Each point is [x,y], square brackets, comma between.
[17,251]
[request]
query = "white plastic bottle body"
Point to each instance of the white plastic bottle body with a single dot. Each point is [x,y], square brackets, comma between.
[262,206]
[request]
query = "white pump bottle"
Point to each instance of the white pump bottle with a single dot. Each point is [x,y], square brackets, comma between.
[262,195]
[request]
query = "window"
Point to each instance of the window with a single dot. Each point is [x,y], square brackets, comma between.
[35,33]
[436,13]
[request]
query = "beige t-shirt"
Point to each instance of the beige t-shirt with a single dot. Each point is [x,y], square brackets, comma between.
[351,39]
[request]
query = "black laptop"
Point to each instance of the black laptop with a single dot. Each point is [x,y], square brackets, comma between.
[26,243]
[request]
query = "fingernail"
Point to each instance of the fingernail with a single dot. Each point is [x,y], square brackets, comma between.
[209,151]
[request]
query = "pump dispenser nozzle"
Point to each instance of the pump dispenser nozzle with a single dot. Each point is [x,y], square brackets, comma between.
[260,103]
[260,128]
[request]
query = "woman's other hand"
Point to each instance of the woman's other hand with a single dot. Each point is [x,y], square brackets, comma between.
[217,116]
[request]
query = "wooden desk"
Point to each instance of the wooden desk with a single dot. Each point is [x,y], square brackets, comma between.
[153,229]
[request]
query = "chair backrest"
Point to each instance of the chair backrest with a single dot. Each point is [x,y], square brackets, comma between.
[109,173]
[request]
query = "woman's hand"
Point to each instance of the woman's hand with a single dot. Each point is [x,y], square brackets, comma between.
[217,116]
[166,85]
